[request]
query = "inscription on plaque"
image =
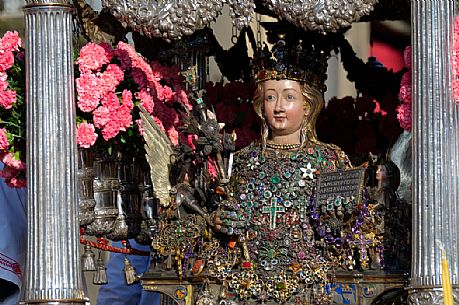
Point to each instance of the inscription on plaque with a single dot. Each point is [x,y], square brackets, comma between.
[345,184]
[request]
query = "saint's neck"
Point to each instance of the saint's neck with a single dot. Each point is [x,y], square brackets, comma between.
[285,139]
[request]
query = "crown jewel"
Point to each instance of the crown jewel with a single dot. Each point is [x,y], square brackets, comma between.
[300,61]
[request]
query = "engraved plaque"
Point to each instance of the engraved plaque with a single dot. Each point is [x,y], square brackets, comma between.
[344,184]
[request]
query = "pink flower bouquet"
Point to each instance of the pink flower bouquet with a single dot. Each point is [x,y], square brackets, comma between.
[112,83]
[12,110]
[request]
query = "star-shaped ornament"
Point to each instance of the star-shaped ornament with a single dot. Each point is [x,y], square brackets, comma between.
[308,172]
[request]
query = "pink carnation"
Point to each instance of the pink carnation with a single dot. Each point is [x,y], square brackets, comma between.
[111,78]
[3,81]
[173,135]
[456,89]
[124,117]
[92,57]
[16,183]
[110,100]
[6,60]
[159,122]
[404,116]
[110,130]
[146,100]
[131,59]
[126,99]
[405,88]
[7,98]
[10,42]
[116,72]
[86,135]
[168,94]
[3,139]
[12,162]
[101,116]
[11,177]
[89,94]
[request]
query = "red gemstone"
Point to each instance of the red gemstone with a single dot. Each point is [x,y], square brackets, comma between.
[246,265]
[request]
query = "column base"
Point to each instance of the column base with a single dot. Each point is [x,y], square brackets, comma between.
[429,295]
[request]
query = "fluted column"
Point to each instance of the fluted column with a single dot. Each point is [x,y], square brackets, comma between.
[53,274]
[435,150]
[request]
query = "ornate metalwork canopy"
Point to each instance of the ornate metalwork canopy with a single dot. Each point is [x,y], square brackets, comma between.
[172,19]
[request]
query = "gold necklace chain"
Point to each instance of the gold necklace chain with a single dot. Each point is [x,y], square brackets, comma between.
[282,146]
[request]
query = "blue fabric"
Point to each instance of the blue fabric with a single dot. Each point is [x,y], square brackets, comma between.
[13,238]
[116,291]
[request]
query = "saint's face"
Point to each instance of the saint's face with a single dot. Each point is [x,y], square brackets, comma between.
[283,106]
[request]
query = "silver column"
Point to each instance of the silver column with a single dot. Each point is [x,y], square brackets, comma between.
[53,274]
[435,150]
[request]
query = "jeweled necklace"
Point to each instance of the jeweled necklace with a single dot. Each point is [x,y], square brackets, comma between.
[277,146]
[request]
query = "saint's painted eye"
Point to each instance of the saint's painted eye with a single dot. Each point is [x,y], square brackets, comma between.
[270,97]
[290,97]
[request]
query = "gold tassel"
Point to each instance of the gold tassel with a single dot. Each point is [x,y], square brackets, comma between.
[88,259]
[129,272]
[100,276]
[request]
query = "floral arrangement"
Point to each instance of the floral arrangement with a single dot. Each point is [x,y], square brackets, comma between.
[404,110]
[12,110]
[112,83]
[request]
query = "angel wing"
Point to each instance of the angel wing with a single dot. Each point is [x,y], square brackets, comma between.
[158,149]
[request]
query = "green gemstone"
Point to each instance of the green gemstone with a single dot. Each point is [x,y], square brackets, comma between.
[261,158]
[267,194]
[293,157]
[250,186]
[250,196]
[280,285]
[275,179]
[249,204]
[287,174]
[262,175]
